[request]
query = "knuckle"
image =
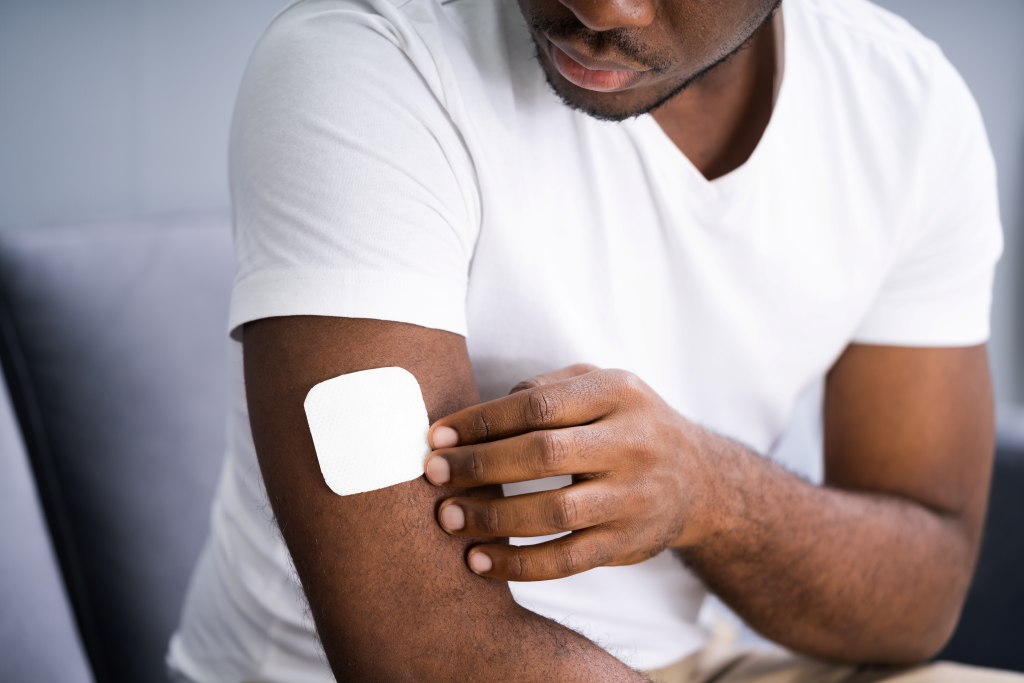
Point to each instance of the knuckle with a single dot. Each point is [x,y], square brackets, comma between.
[570,560]
[565,513]
[517,567]
[629,382]
[583,368]
[541,408]
[491,523]
[476,471]
[480,428]
[553,451]
[628,389]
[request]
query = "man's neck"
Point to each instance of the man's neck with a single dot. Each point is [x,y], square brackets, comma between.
[718,121]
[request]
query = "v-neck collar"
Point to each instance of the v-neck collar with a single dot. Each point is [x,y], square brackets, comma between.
[722,187]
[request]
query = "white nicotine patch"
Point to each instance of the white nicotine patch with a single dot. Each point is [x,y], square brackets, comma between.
[369,429]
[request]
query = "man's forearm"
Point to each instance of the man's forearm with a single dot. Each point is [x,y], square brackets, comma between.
[837,574]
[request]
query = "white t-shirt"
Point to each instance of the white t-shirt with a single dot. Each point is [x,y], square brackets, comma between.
[406,161]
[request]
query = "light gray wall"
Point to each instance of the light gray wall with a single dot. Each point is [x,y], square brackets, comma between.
[120,108]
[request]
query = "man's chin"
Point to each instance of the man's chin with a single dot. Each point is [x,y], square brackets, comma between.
[606,106]
[603,106]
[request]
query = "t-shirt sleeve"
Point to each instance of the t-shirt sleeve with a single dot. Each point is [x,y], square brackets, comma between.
[938,289]
[353,193]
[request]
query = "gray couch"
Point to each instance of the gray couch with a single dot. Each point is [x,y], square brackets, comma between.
[113,340]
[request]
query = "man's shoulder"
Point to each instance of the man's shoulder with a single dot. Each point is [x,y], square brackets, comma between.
[406,24]
[316,24]
[879,70]
[380,48]
[854,29]
[865,21]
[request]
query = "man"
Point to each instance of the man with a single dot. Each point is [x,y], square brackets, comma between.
[716,203]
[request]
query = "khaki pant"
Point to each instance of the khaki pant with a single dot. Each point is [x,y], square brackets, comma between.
[708,666]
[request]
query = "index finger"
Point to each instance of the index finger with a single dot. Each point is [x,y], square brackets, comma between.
[568,403]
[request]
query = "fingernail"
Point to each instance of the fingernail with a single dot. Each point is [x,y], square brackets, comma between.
[438,471]
[479,562]
[453,518]
[444,437]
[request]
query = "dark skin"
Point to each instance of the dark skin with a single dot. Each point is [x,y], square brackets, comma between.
[389,590]
[713,50]
[871,567]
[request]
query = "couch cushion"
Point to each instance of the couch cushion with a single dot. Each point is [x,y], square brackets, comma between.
[991,628]
[121,332]
[38,639]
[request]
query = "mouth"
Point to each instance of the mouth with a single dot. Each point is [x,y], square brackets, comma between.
[599,75]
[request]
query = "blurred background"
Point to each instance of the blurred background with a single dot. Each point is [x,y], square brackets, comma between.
[114,119]
[120,109]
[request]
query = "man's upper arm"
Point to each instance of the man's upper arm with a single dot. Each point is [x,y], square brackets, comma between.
[372,561]
[389,591]
[916,423]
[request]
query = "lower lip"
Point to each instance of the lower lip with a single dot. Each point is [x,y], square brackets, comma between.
[591,79]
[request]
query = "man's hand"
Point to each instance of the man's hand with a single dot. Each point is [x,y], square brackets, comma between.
[636,474]
[871,567]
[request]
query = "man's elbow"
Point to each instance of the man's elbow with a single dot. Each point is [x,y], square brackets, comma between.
[922,637]
[905,636]
[934,634]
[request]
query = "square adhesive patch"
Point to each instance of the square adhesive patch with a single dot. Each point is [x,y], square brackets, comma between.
[369,429]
